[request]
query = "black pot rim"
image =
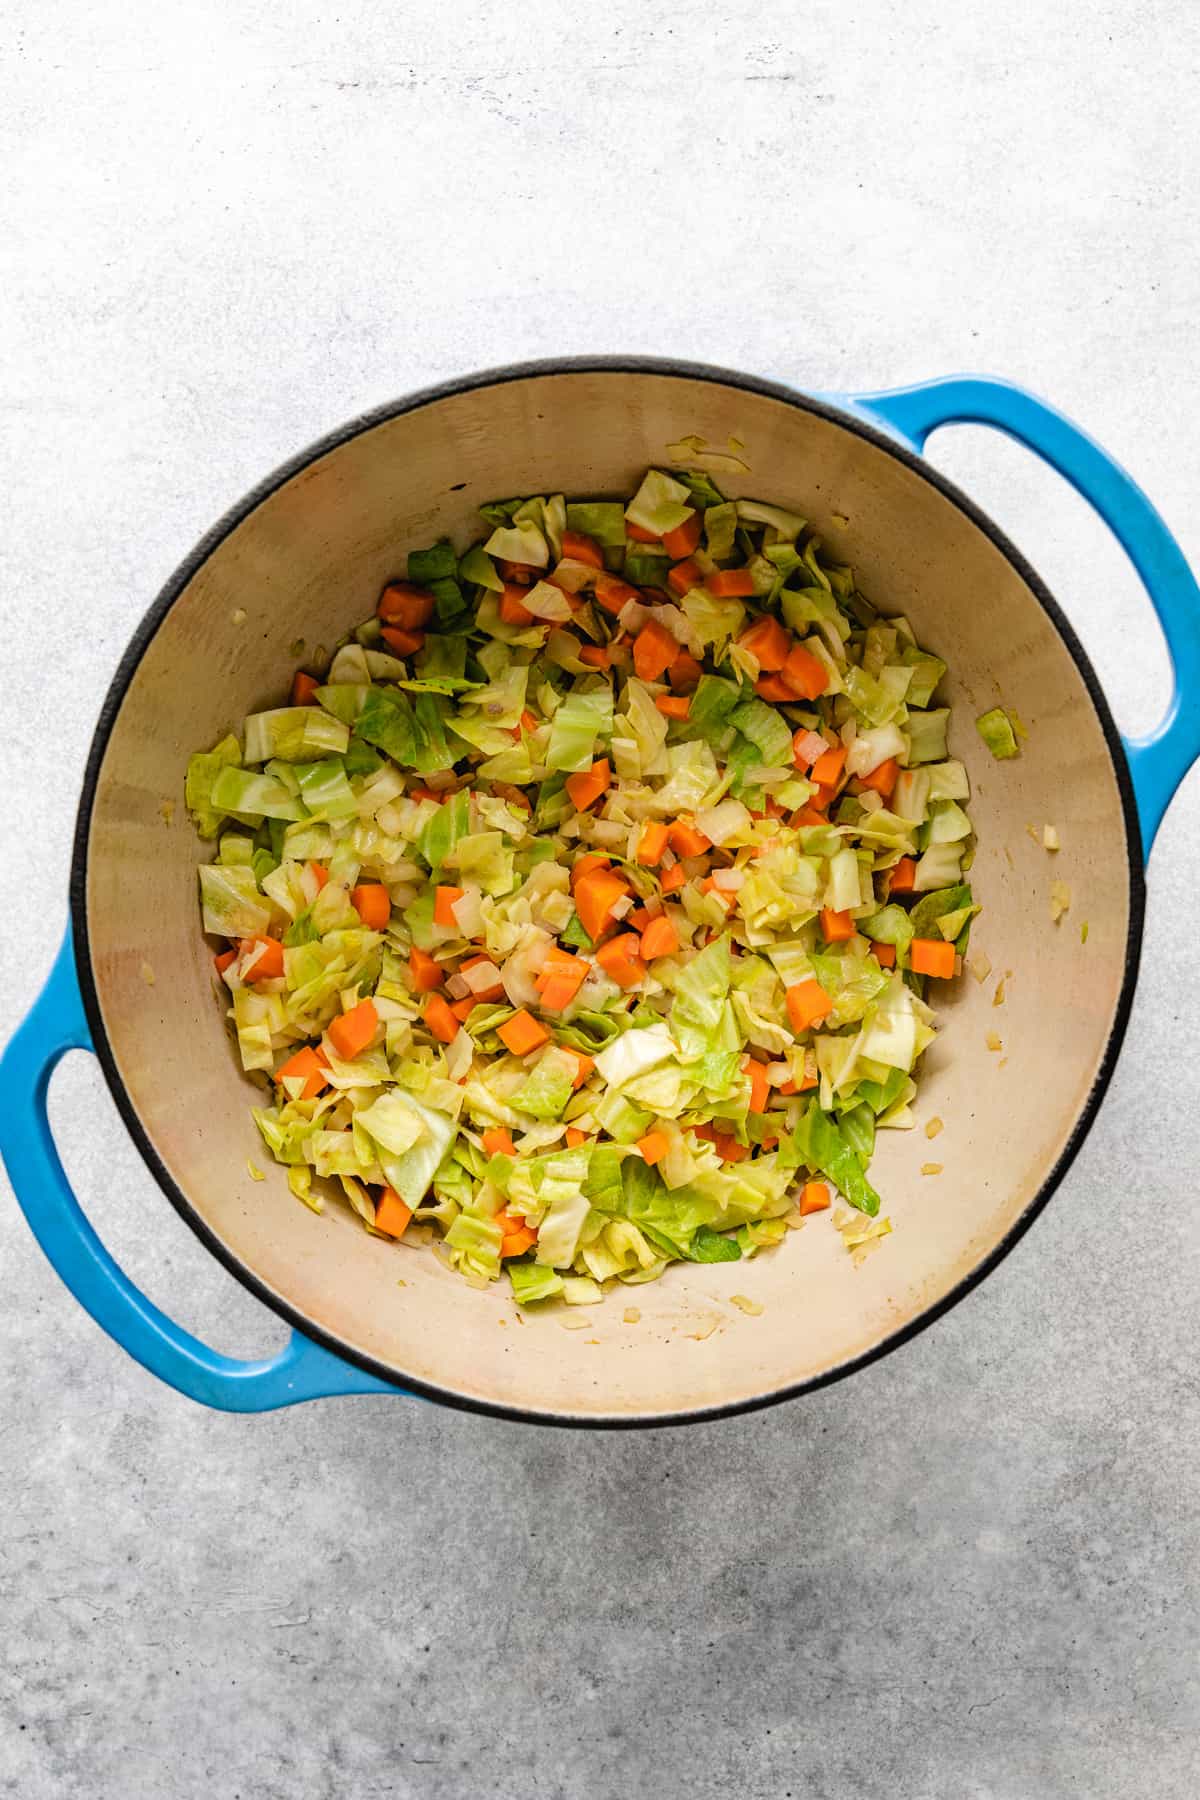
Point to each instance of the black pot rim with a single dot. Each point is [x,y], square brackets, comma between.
[633,365]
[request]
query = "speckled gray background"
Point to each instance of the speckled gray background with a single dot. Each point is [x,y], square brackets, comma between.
[967,1574]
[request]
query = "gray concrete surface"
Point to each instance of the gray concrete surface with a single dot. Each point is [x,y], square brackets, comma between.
[967,1574]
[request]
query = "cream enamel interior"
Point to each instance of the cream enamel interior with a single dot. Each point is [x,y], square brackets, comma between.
[308,562]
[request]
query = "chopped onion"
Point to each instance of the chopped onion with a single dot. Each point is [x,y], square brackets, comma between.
[634,614]
[809,745]
[459,1053]
[468,914]
[479,976]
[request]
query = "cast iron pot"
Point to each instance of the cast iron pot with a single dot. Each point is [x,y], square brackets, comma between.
[305,555]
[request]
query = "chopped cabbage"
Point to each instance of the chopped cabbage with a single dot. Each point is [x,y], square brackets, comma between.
[564,886]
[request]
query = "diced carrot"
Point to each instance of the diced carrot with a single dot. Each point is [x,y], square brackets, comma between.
[684,672]
[596,656]
[711,886]
[638,919]
[586,1065]
[595,896]
[814,1197]
[268,963]
[587,864]
[560,965]
[686,840]
[391,1214]
[768,642]
[654,650]
[577,546]
[558,993]
[575,1137]
[807,1004]
[903,876]
[513,610]
[804,673]
[425,972]
[312,1065]
[673,706]
[809,815]
[724,1142]
[404,643]
[685,576]
[836,927]
[319,873]
[444,901]
[373,904]
[883,779]
[932,956]
[498,1141]
[222,962]
[809,1081]
[654,1146]
[775,689]
[885,955]
[516,1243]
[351,1034]
[528,721]
[760,1087]
[640,535]
[439,1016]
[557,961]
[621,960]
[659,939]
[462,1009]
[405,605]
[304,686]
[652,843]
[494,989]
[612,593]
[730,584]
[683,540]
[424,793]
[522,1033]
[828,767]
[586,787]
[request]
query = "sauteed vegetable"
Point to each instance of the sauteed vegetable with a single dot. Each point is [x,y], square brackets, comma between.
[586,908]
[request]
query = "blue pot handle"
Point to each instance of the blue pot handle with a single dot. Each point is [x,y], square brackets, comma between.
[1159,761]
[301,1371]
